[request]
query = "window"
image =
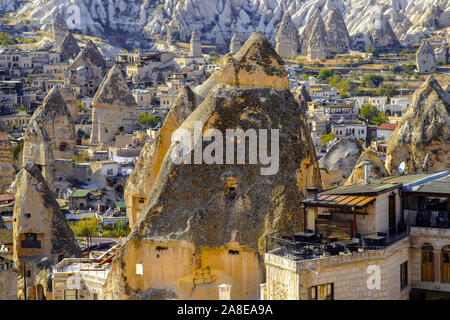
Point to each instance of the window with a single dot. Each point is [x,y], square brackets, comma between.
[404,275]
[141,200]
[30,241]
[70,294]
[322,292]
[109,172]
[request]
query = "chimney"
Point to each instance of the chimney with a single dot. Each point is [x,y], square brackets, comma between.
[366,172]
[225,292]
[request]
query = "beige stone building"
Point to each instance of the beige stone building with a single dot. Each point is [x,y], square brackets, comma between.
[386,240]
[114,110]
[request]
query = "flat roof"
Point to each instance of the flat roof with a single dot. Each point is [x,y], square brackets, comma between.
[437,186]
[363,189]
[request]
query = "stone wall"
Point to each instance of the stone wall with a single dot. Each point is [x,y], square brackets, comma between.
[287,279]
[438,238]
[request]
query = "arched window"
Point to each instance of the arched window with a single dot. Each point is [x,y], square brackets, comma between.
[445,264]
[427,262]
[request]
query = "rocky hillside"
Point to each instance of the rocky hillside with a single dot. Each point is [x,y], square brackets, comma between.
[424,129]
[217,20]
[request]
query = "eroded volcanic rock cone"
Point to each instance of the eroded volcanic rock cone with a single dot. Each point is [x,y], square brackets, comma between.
[337,164]
[423,129]
[205,225]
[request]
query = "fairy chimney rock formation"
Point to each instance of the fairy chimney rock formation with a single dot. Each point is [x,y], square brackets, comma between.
[425,58]
[59,28]
[206,224]
[87,70]
[195,49]
[307,31]
[377,169]
[40,229]
[69,48]
[152,155]
[246,68]
[424,129]
[50,134]
[302,97]
[338,37]
[287,43]
[318,45]
[235,44]
[381,33]
[113,109]
[337,164]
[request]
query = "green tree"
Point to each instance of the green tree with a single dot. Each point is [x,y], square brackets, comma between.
[326,138]
[371,80]
[371,113]
[119,229]
[82,157]
[373,50]
[17,150]
[325,73]
[344,95]
[335,79]
[87,226]
[145,119]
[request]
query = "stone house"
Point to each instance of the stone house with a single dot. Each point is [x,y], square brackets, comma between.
[378,240]
[425,58]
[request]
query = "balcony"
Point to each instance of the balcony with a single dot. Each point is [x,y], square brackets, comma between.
[430,219]
[309,245]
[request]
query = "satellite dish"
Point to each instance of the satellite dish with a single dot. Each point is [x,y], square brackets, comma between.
[425,162]
[401,167]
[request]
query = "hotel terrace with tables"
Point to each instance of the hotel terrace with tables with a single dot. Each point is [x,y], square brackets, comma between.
[383,239]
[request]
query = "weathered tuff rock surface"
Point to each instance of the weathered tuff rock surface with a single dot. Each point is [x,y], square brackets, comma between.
[338,37]
[302,97]
[205,225]
[425,58]
[152,155]
[307,31]
[195,48]
[87,70]
[318,46]
[69,48]
[113,109]
[287,42]
[424,128]
[7,169]
[235,44]
[337,164]
[59,28]
[36,212]
[377,169]
[216,20]
[381,33]
[50,134]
